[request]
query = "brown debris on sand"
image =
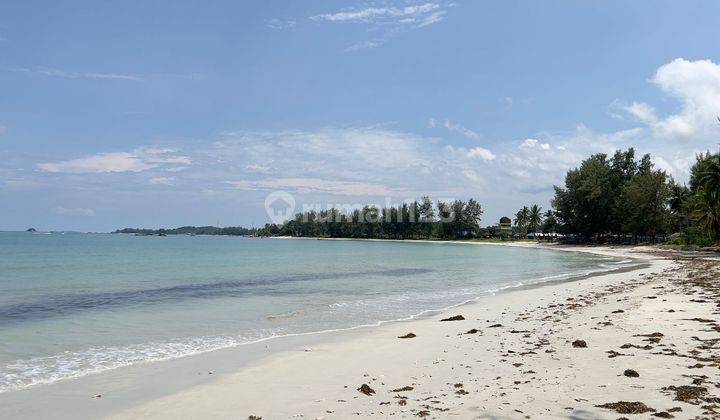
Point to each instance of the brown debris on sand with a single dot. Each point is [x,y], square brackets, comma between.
[454,318]
[663,415]
[405,388]
[252,417]
[408,335]
[579,344]
[655,334]
[365,389]
[473,331]
[630,373]
[627,407]
[687,393]
[653,338]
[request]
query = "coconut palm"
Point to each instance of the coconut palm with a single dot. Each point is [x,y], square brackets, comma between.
[521,220]
[679,197]
[709,175]
[707,211]
[535,218]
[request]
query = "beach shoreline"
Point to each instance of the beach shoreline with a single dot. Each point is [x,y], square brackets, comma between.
[285,377]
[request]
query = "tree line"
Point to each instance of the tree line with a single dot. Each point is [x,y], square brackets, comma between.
[621,195]
[193,230]
[422,219]
[603,198]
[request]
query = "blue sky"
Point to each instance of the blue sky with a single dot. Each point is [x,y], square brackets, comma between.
[166,113]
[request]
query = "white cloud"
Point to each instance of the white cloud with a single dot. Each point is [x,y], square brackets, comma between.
[103,162]
[64,211]
[136,161]
[387,19]
[257,168]
[112,76]
[161,180]
[642,111]
[372,14]
[356,160]
[481,153]
[696,85]
[460,129]
[51,72]
[533,143]
[474,153]
[279,24]
[431,123]
[315,185]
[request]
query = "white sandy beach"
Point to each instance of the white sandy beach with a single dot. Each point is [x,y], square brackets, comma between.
[520,363]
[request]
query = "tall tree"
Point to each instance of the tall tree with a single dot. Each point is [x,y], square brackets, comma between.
[680,204]
[587,202]
[535,218]
[643,201]
[521,220]
[550,223]
[707,211]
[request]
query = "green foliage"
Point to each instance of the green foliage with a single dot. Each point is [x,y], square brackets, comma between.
[623,196]
[416,220]
[535,218]
[705,194]
[550,223]
[522,218]
[193,230]
[613,196]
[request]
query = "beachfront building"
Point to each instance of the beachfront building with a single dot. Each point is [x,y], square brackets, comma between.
[505,227]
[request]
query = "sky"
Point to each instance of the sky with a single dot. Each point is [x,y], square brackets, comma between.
[168,113]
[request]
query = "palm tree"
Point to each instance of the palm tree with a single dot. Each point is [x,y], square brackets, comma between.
[535,218]
[550,223]
[707,210]
[679,197]
[709,176]
[521,220]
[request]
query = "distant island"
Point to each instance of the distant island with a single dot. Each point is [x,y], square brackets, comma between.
[192,230]
[31,230]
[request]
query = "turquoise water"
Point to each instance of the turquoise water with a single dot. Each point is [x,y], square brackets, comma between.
[73,304]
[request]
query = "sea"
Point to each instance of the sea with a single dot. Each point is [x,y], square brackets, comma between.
[74,304]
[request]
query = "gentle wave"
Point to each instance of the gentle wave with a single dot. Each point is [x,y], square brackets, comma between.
[43,370]
[60,305]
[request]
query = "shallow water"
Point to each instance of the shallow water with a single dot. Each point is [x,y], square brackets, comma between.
[73,304]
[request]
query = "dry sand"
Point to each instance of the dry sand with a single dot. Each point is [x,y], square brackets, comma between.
[643,343]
